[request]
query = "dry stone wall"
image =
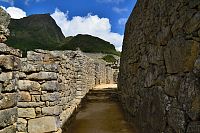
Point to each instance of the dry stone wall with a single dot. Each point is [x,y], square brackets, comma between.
[51,85]
[9,67]
[160,66]
[41,92]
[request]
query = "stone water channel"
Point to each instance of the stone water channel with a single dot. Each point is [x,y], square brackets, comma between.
[100,113]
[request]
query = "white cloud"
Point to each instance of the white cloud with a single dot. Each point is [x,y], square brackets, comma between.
[90,24]
[9,1]
[110,1]
[119,10]
[15,12]
[122,21]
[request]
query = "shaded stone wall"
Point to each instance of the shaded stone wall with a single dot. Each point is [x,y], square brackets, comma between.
[159,77]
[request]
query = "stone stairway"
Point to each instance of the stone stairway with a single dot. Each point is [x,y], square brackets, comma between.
[102,94]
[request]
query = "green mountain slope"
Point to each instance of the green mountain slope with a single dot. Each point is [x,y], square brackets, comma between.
[90,44]
[41,32]
[33,32]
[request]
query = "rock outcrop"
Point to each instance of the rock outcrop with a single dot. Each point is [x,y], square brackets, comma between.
[159,79]
[4,22]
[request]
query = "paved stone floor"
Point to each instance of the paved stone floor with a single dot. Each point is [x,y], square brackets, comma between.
[100,117]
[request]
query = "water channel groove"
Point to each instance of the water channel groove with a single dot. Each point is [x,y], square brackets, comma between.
[100,113]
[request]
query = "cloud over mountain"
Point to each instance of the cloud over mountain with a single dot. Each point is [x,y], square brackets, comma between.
[90,24]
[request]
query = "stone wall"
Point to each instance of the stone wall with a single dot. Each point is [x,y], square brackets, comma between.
[9,67]
[41,92]
[160,66]
[51,86]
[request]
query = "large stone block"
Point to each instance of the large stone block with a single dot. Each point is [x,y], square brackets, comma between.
[180,55]
[26,112]
[28,67]
[176,120]
[10,62]
[50,86]
[22,125]
[8,100]
[8,117]
[24,96]
[43,124]
[50,97]
[27,85]
[55,110]
[10,129]
[9,50]
[43,76]
[6,76]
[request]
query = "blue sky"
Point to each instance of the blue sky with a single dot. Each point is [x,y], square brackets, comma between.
[101,18]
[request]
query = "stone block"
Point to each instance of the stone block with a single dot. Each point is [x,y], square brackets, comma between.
[35,98]
[193,127]
[6,76]
[43,124]
[26,112]
[43,76]
[24,96]
[8,100]
[10,129]
[8,117]
[9,50]
[27,67]
[50,97]
[180,55]
[10,62]
[27,85]
[9,86]
[172,85]
[55,110]
[176,120]
[50,86]
[30,104]
[22,125]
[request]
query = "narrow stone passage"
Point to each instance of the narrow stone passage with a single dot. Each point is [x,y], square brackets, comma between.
[100,115]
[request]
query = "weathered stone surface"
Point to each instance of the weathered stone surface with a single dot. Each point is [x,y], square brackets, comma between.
[24,96]
[26,85]
[22,125]
[43,124]
[8,100]
[4,22]
[50,96]
[159,66]
[176,120]
[6,76]
[8,117]
[50,86]
[172,85]
[43,76]
[30,104]
[27,67]
[197,67]
[193,127]
[10,62]
[26,112]
[55,110]
[180,55]
[10,129]
[8,50]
